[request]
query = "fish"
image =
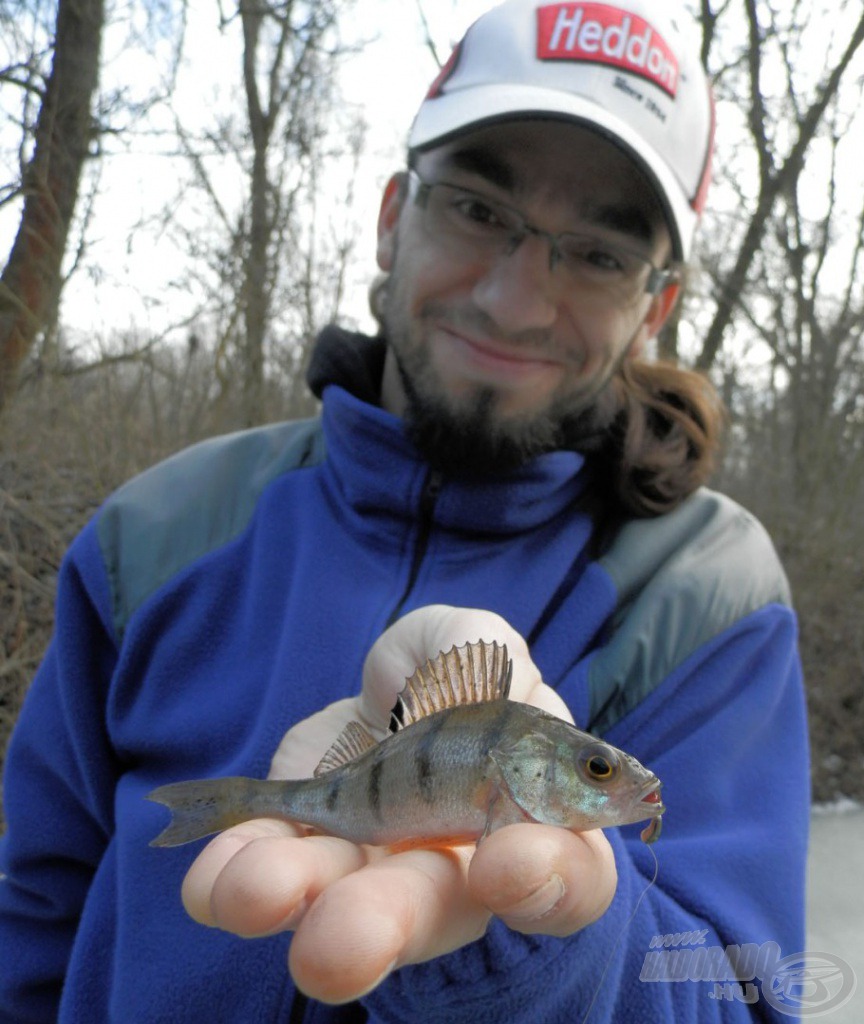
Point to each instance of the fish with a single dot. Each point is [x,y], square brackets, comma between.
[461,760]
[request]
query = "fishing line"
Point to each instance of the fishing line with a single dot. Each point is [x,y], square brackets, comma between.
[624,928]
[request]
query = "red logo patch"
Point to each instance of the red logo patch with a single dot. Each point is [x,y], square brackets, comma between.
[600,34]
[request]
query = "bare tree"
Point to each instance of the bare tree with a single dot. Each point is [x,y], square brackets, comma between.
[806,304]
[267,272]
[769,73]
[31,280]
[781,323]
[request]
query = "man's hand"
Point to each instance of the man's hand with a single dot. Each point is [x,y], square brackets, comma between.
[358,912]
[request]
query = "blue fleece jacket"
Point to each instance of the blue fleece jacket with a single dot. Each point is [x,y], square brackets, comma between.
[228,593]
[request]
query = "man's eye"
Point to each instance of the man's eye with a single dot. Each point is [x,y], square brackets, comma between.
[477,213]
[605,259]
[590,254]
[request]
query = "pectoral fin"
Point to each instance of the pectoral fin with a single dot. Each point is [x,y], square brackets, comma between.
[502,811]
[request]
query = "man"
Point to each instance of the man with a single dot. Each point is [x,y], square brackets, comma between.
[501,463]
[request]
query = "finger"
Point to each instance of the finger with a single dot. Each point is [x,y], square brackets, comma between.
[472,624]
[270,883]
[405,908]
[198,884]
[544,880]
[260,877]
[541,696]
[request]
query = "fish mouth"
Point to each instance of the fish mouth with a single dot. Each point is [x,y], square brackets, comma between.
[651,795]
[654,808]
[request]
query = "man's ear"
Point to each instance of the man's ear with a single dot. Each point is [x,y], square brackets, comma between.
[388,220]
[657,315]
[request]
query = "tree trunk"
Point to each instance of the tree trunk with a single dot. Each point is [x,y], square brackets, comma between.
[30,283]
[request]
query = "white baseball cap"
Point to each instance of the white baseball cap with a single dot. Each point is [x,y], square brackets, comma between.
[625,69]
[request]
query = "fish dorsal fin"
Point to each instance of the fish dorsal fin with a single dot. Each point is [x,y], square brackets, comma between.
[471,674]
[354,740]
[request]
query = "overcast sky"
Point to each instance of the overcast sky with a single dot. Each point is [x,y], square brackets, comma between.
[387,80]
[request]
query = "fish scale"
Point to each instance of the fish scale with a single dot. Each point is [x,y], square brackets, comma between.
[464,760]
[423,780]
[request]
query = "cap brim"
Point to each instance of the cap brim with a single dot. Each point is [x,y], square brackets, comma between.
[452,114]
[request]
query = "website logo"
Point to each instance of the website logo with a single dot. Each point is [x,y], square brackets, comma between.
[809,984]
[801,985]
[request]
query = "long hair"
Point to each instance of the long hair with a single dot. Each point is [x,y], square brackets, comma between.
[661,444]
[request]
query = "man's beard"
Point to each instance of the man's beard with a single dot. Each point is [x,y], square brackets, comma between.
[472,438]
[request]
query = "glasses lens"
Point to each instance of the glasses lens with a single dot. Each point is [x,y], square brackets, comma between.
[600,270]
[601,264]
[468,215]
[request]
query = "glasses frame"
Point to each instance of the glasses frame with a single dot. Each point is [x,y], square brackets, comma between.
[658,278]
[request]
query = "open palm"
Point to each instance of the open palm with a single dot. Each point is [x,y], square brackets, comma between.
[359,912]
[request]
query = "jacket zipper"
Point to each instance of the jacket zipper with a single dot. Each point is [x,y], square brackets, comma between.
[425,518]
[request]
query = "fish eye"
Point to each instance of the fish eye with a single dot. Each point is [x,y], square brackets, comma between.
[599,767]
[601,764]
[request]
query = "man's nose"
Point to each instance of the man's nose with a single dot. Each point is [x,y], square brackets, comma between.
[519,289]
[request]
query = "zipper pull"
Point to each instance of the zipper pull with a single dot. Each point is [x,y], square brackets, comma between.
[431,491]
[425,512]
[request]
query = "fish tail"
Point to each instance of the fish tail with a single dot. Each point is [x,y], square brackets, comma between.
[202,807]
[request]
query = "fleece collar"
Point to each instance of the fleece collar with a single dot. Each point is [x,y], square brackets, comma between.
[377,469]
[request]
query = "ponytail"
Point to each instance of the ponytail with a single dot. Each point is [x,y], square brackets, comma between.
[663,440]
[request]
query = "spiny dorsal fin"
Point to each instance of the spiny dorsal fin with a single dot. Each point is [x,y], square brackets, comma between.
[471,674]
[354,740]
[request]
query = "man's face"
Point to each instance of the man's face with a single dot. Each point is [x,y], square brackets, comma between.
[496,357]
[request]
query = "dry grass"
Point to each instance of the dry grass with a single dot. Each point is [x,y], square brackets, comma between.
[33,534]
[47,492]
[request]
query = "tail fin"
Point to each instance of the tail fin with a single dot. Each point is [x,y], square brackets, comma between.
[202,807]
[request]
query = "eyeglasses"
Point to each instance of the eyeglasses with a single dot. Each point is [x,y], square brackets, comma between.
[472,222]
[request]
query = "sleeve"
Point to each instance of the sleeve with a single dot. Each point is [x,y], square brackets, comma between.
[726,733]
[59,782]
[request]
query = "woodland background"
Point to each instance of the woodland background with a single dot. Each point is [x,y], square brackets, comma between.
[257,221]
